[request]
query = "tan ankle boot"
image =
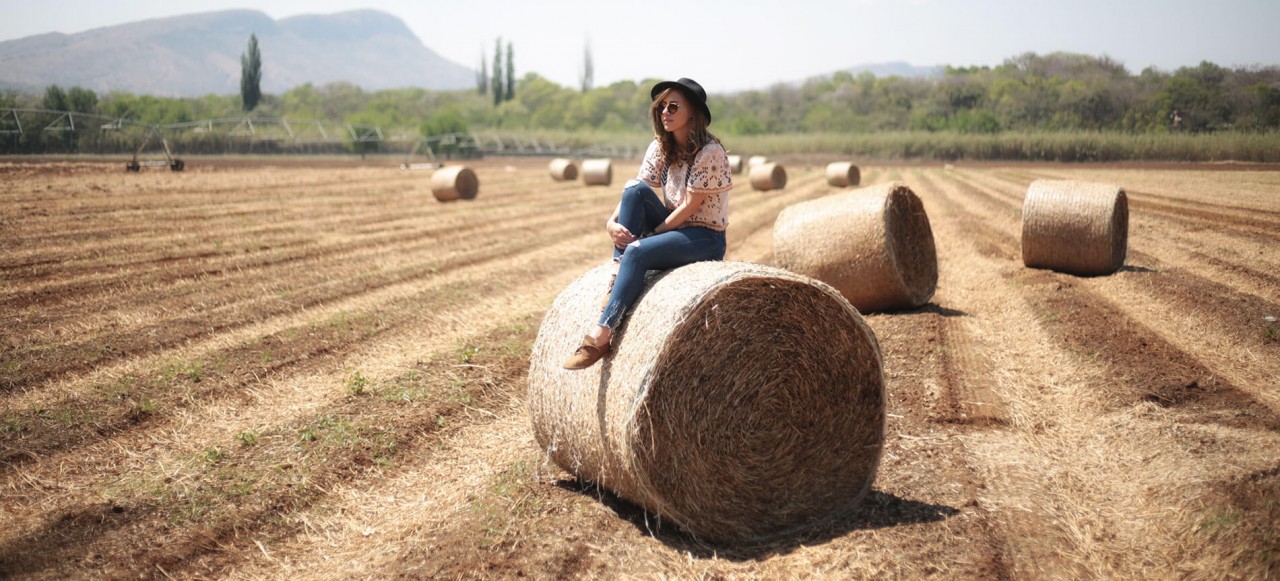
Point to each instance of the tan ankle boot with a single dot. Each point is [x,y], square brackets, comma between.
[587,354]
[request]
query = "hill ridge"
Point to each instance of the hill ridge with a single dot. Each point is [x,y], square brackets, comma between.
[197,54]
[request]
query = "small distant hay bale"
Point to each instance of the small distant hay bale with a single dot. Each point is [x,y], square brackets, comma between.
[563,170]
[735,164]
[597,172]
[756,160]
[741,401]
[454,182]
[1075,227]
[843,174]
[768,176]
[874,245]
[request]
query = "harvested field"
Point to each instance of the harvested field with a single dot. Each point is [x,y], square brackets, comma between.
[286,370]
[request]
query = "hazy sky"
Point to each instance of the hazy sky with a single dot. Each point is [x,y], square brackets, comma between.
[731,45]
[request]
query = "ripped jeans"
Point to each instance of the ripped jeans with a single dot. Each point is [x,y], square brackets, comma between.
[641,212]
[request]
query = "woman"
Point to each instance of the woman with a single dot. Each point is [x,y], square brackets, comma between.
[689,166]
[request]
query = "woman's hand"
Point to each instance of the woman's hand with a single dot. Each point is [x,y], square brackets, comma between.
[620,235]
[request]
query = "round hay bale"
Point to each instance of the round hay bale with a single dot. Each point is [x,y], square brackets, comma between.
[1075,227]
[756,160]
[740,401]
[453,182]
[843,174]
[597,172]
[873,244]
[563,170]
[735,164]
[768,176]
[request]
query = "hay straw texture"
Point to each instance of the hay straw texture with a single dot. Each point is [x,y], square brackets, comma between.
[873,244]
[756,160]
[563,170]
[768,176]
[741,401]
[450,183]
[735,164]
[1075,227]
[843,174]
[597,172]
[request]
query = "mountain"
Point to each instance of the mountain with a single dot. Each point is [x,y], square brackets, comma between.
[198,54]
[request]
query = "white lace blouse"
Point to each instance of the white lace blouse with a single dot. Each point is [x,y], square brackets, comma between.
[710,175]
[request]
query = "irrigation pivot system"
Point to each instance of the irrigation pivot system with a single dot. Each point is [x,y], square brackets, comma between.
[151,144]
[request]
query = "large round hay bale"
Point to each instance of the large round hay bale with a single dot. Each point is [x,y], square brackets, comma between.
[1075,227]
[756,160]
[597,172]
[843,174]
[453,182]
[873,244]
[768,176]
[735,164]
[740,401]
[563,169]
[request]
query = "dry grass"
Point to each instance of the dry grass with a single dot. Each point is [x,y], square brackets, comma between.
[303,372]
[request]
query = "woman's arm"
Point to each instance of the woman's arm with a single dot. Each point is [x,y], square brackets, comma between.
[617,232]
[691,204]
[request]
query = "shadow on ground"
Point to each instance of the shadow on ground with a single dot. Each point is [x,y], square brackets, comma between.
[877,511]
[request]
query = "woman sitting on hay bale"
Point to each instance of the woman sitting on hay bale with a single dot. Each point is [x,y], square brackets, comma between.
[687,225]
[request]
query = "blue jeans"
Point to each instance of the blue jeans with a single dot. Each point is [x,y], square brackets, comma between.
[641,212]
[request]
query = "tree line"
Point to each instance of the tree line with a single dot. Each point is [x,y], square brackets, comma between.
[1058,92]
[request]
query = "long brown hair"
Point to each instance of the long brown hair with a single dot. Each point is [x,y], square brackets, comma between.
[699,136]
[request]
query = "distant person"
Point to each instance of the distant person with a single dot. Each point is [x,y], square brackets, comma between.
[685,225]
[1175,119]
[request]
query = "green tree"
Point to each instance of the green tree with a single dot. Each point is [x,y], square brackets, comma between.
[482,77]
[82,100]
[443,122]
[251,75]
[511,74]
[9,99]
[498,86]
[55,99]
[587,78]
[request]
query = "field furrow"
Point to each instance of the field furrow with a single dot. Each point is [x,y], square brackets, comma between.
[309,368]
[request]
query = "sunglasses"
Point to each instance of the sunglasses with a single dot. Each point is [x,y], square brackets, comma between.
[671,108]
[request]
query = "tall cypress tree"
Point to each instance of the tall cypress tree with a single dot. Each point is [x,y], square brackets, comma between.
[251,75]
[511,74]
[497,73]
[482,77]
[588,70]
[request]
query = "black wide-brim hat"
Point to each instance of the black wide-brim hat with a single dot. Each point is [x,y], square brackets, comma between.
[690,88]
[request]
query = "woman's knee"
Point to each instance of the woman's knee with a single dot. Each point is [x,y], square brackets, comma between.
[636,189]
